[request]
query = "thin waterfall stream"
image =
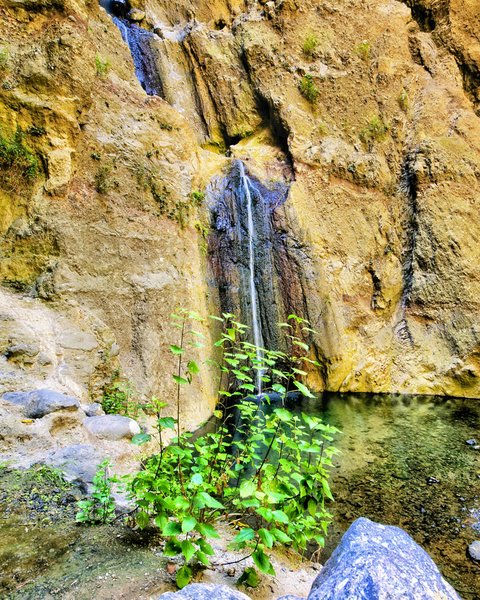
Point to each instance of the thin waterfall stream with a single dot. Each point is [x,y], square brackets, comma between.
[256,323]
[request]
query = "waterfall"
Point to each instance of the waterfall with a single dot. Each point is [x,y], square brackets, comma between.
[139,41]
[255,316]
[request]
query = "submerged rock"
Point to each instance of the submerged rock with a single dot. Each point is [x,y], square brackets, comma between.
[205,591]
[39,403]
[379,562]
[112,427]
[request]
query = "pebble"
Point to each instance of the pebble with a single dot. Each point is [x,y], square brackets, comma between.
[474,551]
[471,442]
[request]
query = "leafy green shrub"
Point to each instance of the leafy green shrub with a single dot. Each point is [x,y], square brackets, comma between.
[363,50]
[267,471]
[197,197]
[102,65]
[375,130]
[308,89]
[310,45]
[18,164]
[119,399]
[100,506]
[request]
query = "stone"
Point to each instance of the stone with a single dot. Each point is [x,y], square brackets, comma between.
[205,591]
[290,597]
[78,462]
[112,427]
[136,15]
[474,551]
[39,403]
[379,562]
[93,410]
[471,442]
[22,352]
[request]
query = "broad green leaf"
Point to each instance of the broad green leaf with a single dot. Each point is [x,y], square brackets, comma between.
[172,528]
[303,389]
[244,536]
[312,507]
[188,524]
[172,548]
[176,349]
[180,380]
[280,516]
[205,547]
[193,367]
[266,537]
[208,500]
[141,438]
[247,488]
[326,489]
[283,414]
[263,562]
[207,530]
[203,558]
[142,519]
[280,535]
[197,479]
[188,550]
[218,414]
[167,422]
[184,575]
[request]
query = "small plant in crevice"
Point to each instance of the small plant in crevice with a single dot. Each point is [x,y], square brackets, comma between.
[310,45]
[4,57]
[308,89]
[363,50]
[99,507]
[404,100]
[264,468]
[18,164]
[102,66]
[375,130]
[197,197]
[120,398]
[103,179]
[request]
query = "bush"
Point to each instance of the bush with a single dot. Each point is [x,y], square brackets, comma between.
[18,163]
[100,506]
[310,45]
[266,472]
[308,89]
[119,399]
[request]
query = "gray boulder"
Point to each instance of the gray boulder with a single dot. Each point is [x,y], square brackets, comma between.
[78,463]
[112,427]
[205,591]
[379,562]
[39,403]
[93,410]
[474,551]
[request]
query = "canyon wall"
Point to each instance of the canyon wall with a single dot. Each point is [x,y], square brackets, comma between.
[367,110]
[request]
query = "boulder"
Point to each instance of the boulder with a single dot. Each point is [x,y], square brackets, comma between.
[136,15]
[42,402]
[205,591]
[78,463]
[474,551]
[379,562]
[112,427]
[93,410]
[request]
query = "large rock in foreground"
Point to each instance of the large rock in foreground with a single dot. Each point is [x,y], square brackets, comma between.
[380,562]
[205,591]
[39,403]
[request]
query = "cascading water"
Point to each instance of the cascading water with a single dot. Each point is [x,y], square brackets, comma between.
[257,327]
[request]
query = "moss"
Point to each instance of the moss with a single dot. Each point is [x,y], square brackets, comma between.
[310,45]
[404,100]
[102,65]
[363,50]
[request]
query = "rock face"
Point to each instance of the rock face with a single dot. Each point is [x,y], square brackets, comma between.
[369,108]
[378,562]
[39,403]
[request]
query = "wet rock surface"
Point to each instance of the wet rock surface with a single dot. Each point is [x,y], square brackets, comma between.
[375,561]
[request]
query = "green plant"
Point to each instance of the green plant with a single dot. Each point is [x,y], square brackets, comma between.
[100,506]
[264,468]
[18,163]
[197,197]
[363,50]
[310,45]
[375,130]
[404,100]
[102,65]
[119,398]
[308,89]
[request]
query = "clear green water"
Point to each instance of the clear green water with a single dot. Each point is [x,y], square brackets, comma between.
[391,446]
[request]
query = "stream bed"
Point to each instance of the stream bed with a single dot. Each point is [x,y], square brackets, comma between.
[404,460]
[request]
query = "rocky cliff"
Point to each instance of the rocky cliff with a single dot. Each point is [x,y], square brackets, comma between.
[367,109]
